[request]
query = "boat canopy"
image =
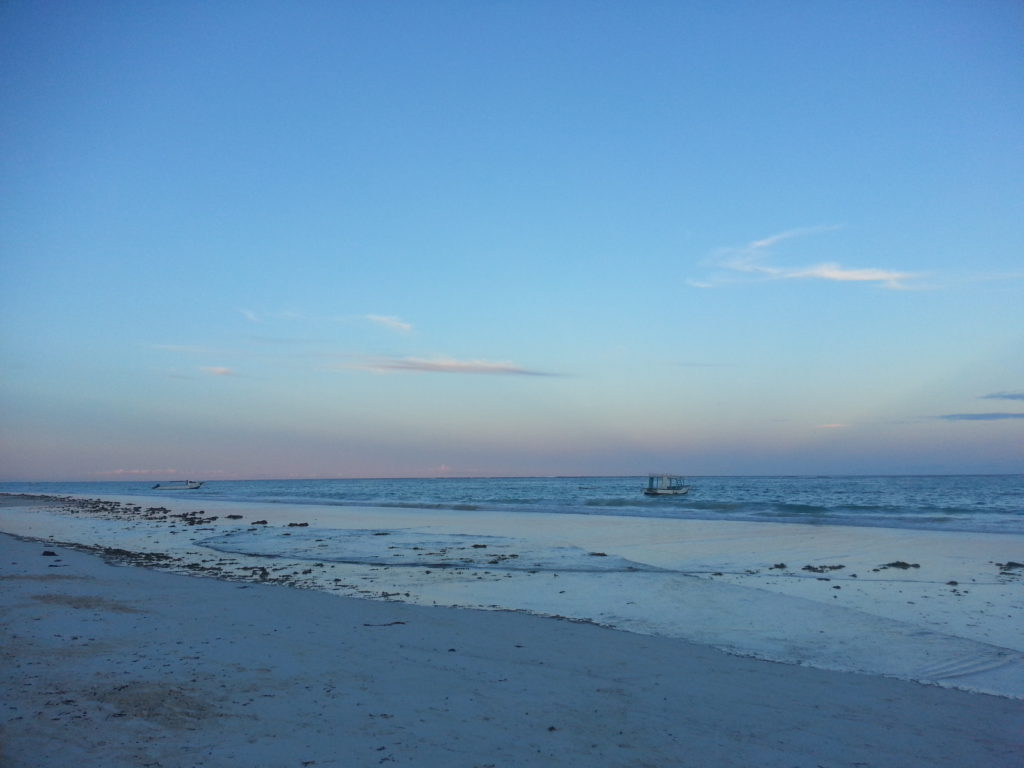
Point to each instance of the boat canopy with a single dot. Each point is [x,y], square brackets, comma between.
[665,482]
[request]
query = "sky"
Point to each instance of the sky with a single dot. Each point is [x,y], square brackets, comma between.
[346,239]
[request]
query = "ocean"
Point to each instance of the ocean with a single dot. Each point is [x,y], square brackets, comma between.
[975,503]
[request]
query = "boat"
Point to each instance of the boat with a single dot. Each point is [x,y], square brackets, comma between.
[178,485]
[666,485]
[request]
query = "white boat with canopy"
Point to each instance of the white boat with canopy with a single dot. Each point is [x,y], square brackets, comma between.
[666,485]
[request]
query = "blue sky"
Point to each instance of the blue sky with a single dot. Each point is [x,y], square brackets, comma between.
[271,239]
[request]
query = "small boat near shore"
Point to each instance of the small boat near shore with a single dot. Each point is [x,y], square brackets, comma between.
[666,485]
[179,485]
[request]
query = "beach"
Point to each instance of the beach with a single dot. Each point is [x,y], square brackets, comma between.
[214,663]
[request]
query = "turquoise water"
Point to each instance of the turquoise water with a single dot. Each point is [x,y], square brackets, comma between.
[983,503]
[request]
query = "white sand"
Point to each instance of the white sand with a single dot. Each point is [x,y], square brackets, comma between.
[120,666]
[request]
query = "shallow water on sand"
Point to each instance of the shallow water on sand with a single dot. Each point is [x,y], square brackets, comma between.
[923,605]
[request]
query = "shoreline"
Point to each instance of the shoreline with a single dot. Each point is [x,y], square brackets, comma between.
[946,618]
[126,666]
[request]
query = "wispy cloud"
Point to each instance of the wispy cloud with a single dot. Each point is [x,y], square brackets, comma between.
[288,315]
[888,278]
[284,314]
[997,416]
[218,370]
[295,316]
[833,426]
[1004,396]
[753,259]
[789,234]
[981,416]
[445,365]
[390,321]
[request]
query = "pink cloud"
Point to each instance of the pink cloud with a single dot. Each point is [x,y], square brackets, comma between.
[447,365]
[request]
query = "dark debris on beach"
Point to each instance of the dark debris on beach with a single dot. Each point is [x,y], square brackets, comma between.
[227,568]
[249,569]
[901,564]
[822,568]
[1010,569]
